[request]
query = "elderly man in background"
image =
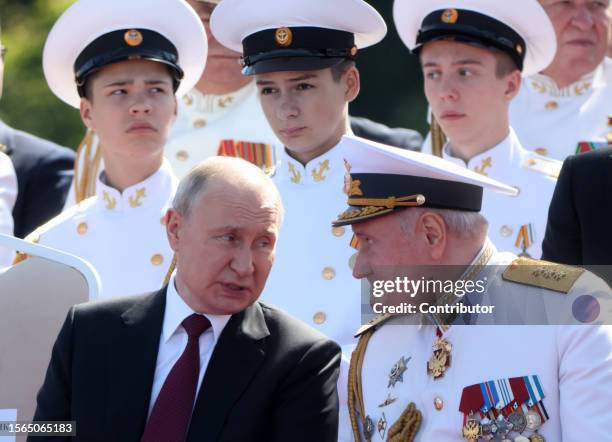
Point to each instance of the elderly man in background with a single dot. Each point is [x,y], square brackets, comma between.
[565,109]
[200,359]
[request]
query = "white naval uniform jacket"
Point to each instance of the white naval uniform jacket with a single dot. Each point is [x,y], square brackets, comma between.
[535,178]
[205,120]
[552,121]
[312,274]
[8,195]
[122,235]
[572,362]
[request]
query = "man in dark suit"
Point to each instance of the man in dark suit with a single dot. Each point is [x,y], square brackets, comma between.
[202,359]
[44,173]
[578,229]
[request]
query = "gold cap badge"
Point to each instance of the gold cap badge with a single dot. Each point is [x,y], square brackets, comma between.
[283,37]
[450,16]
[133,37]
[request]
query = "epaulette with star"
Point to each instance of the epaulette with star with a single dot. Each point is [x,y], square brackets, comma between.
[378,320]
[543,274]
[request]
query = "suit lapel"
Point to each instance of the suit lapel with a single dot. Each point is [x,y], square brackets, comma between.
[132,366]
[234,362]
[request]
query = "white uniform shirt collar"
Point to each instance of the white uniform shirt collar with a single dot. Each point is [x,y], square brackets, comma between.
[217,104]
[177,310]
[154,191]
[317,171]
[546,86]
[493,161]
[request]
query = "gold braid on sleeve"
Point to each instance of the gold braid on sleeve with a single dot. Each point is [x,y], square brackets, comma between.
[355,392]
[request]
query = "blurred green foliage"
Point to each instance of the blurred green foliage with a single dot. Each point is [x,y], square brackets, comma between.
[391,89]
[27,103]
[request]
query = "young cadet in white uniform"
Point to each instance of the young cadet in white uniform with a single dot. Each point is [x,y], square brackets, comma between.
[565,109]
[439,377]
[8,195]
[302,56]
[220,115]
[472,59]
[128,67]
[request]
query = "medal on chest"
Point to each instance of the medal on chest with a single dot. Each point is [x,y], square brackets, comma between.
[440,360]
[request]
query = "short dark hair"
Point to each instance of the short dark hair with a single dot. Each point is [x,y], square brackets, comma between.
[505,65]
[340,69]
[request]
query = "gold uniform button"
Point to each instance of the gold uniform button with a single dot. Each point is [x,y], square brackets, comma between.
[329,273]
[157,259]
[338,231]
[542,151]
[319,318]
[438,403]
[182,155]
[505,231]
[552,105]
[199,123]
[82,228]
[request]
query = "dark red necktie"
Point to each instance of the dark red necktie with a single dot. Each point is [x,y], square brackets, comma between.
[171,413]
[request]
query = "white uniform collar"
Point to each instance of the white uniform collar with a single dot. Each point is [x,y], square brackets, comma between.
[546,86]
[177,310]
[499,156]
[317,171]
[212,104]
[153,191]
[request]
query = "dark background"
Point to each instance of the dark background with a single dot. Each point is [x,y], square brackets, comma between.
[391,89]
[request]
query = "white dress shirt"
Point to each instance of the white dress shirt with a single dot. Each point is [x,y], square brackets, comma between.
[174,338]
[8,194]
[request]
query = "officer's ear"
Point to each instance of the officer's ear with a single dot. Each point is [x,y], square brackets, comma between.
[433,233]
[352,81]
[513,84]
[86,115]
[173,221]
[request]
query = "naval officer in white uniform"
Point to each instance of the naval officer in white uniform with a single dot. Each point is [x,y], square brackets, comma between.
[472,59]
[129,70]
[435,377]
[565,108]
[302,56]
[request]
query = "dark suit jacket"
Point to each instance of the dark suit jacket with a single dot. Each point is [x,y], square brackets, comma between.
[579,230]
[44,173]
[398,137]
[270,377]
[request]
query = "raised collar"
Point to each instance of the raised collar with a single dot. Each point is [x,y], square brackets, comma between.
[494,161]
[318,171]
[217,104]
[177,310]
[154,191]
[546,86]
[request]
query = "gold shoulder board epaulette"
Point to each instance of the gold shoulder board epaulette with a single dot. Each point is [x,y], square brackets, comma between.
[373,323]
[546,166]
[548,275]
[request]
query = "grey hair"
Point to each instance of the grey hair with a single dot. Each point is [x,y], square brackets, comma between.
[193,186]
[461,224]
